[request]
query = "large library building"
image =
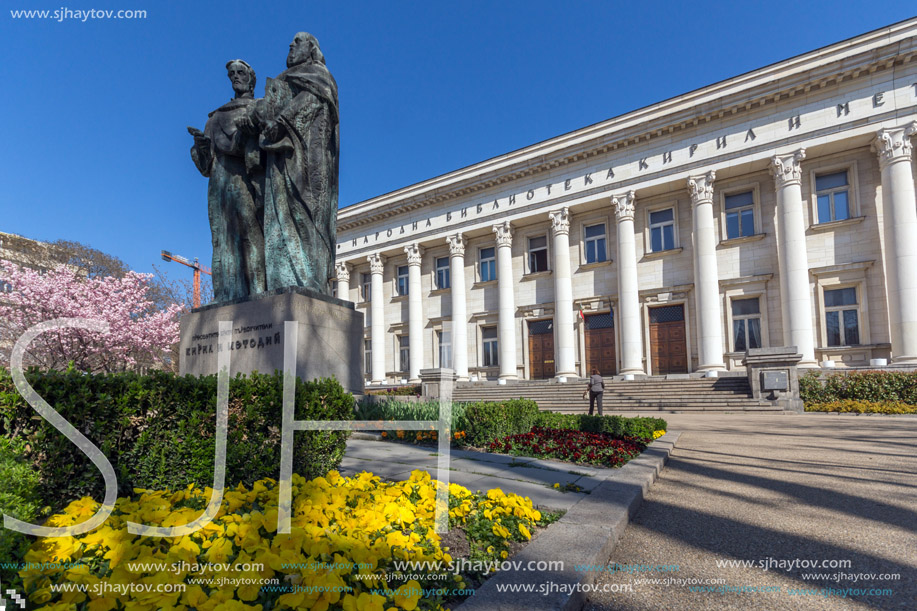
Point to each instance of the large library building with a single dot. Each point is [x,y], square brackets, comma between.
[776,208]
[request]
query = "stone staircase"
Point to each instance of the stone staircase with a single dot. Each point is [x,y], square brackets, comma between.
[650,394]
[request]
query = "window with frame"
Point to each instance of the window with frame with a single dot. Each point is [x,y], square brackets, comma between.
[842,317]
[832,194]
[594,243]
[488,259]
[740,215]
[662,230]
[489,342]
[538,254]
[368,356]
[442,273]
[402,279]
[404,352]
[746,324]
[366,287]
[445,349]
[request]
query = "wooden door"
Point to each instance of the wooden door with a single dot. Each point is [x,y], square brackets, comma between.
[541,349]
[667,340]
[600,344]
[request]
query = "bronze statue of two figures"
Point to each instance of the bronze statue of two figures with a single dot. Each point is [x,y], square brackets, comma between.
[273,169]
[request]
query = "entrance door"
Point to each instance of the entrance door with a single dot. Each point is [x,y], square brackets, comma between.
[541,349]
[600,344]
[667,340]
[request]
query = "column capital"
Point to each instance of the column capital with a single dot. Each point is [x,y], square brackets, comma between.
[376,263]
[701,187]
[894,144]
[456,245]
[624,205]
[504,233]
[342,271]
[560,221]
[414,253]
[787,168]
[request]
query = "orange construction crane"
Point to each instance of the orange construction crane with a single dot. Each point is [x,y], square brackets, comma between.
[198,270]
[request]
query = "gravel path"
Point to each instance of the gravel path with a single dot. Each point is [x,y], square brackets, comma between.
[775,489]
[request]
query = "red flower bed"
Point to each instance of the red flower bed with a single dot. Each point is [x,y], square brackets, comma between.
[602,449]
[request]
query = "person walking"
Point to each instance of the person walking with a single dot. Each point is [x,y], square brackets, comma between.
[595,388]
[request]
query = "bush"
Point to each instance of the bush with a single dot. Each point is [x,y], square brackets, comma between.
[619,426]
[400,410]
[863,407]
[877,386]
[158,430]
[413,390]
[492,420]
[18,499]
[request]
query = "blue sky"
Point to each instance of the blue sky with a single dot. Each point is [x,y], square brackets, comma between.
[95,147]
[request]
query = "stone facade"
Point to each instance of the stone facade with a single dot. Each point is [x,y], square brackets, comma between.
[773,209]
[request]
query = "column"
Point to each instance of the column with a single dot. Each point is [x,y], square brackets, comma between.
[795,303]
[377,308]
[415,313]
[629,326]
[459,315]
[564,352]
[342,272]
[506,324]
[899,214]
[706,277]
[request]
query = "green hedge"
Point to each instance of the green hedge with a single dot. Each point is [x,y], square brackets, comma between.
[489,420]
[19,498]
[402,410]
[158,430]
[616,425]
[894,386]
[413,390]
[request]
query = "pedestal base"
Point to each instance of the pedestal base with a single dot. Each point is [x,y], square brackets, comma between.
[330,336]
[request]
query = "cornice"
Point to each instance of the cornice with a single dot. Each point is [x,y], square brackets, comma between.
[878,51]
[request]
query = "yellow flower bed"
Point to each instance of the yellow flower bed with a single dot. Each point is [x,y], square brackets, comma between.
[352,529]
[863,407]
[658,434]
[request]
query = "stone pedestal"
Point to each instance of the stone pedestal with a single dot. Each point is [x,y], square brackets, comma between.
[772,375]
[330,336]
[432,381]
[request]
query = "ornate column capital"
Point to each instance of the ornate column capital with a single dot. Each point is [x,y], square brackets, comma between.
[701,187]
[624,205]
[456,245]
[376,263]
[414,253]
[342,271]
[504,233]
[560,221]
[787,168]
[894,144]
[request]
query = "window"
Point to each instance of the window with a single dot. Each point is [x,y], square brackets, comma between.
[489,341]
[740,215]
[662,230]
[842,323]
[832,193]
[538,254]
[368,357]
[442,273]
[334,288]
[366,286]
[595,243]
[404,353]
[746,324]
[488,264]
[445,349]
[403,280]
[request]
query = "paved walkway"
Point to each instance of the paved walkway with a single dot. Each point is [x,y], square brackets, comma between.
[776,488]
[476,470]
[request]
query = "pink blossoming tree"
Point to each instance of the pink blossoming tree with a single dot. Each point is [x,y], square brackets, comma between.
[139,333]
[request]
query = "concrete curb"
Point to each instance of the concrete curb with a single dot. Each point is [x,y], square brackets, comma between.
[586,535]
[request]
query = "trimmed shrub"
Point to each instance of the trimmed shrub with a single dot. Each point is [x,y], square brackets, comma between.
[877,386]
[158,430]
[400,391]
[493,420]
[863,407]
[618,426]
[19,499]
